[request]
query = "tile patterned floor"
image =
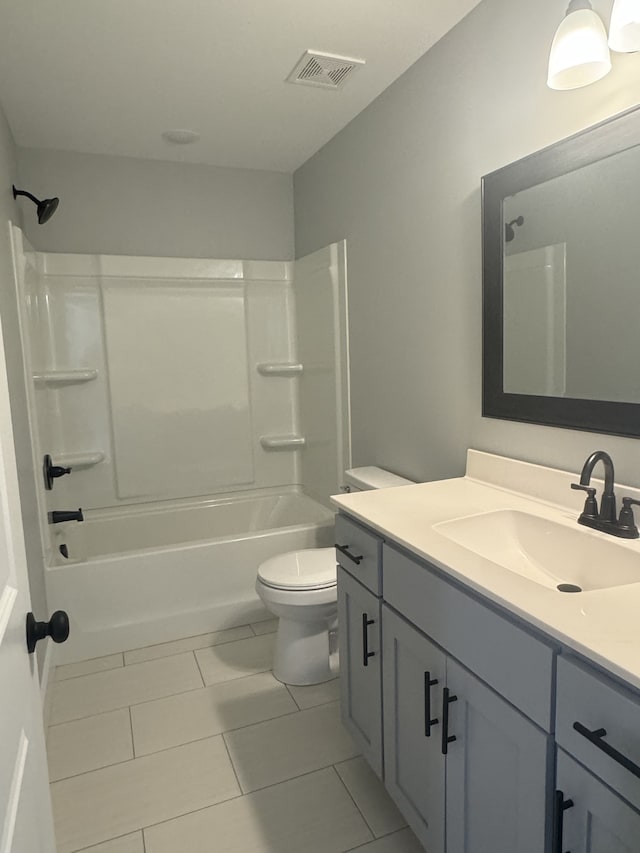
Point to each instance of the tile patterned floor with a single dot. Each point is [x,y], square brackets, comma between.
[194,745]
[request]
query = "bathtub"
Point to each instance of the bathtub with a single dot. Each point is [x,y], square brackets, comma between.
[144,575]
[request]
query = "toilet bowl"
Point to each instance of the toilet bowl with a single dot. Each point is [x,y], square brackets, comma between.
[300,587]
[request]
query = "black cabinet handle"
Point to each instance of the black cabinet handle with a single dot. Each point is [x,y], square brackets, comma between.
[344,549]
[560,805]
[595,737]
[428,722]
[447,699]
[366,654]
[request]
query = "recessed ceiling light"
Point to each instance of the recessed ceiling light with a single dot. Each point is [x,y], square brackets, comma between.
[180,137]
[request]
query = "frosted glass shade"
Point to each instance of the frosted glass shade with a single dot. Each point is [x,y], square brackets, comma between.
[624,30]
[579,53]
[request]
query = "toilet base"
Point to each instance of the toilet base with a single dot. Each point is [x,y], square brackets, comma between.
[302,652]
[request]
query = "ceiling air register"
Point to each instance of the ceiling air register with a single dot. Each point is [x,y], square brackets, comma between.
[323,69]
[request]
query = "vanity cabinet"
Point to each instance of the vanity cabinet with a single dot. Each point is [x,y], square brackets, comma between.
[490,736]
[460,761]
[359,641]
[598,725]
[414,675]
[589,816]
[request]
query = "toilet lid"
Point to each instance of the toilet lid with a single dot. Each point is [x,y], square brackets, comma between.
[310,569]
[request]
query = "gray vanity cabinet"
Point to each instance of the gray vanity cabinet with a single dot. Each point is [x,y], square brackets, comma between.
[497,772]
[414,673]
[360,665]
[488,792]
[594,820]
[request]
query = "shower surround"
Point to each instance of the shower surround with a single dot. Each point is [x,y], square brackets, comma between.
[200,440]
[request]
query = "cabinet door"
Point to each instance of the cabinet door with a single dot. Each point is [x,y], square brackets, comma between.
[360,667]
[413,678]
[597,821]
[498,772]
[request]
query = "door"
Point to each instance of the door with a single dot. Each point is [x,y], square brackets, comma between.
[360,666]
[26,824]
[498,767]
[594,819]
[413,680]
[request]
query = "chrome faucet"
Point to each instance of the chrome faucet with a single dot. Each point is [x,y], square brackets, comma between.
[605,518]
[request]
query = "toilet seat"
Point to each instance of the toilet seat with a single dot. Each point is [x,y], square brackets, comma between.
[300,570]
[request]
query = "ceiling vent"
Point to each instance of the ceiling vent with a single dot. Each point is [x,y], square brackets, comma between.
[323,69]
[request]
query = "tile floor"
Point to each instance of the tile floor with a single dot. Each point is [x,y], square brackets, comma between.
[194,746]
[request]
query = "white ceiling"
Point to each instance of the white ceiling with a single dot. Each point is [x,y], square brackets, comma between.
[108,77]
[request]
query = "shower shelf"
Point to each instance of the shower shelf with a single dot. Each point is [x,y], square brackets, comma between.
[283,442]
[64,377]
[79,460]
[281,369]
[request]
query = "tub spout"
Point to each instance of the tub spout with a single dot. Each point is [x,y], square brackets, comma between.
[60,515]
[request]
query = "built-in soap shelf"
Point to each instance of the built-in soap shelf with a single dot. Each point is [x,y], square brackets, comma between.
[79,460]
[287,368]
[64,377]
[283,442]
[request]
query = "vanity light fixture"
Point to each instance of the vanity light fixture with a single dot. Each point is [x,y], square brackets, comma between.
[624,30]
[579,53]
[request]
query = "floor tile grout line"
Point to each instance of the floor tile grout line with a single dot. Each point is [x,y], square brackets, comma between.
[295,776]
[124,666]
[106,841]
[85,674]
[133,740]
[352,798]
[185,743]
[293,697]
[158,698]
[219,734]
[184,651]
[233,766]
[91,716]
[190,637]
[388,835]
[227,800]
[94,770]
[195,657]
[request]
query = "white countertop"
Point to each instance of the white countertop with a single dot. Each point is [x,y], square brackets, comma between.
[602,625]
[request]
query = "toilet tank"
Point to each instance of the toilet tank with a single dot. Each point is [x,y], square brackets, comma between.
[371,477]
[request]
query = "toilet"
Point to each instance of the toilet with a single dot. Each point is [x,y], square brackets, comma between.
[300,587]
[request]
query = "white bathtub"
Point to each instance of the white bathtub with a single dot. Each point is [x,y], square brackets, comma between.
[144,576]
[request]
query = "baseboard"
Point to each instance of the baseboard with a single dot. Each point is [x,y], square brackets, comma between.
[46,681]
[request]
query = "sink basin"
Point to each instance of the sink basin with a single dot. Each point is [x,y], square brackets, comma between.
[544,551]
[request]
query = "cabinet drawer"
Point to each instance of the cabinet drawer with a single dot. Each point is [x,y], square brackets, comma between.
[516,664]
[361,554]
[588,699]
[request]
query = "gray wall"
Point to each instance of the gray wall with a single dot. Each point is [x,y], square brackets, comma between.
[126,206]
[402,183]
[15,372]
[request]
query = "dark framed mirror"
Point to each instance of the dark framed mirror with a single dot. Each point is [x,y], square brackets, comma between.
[561,283]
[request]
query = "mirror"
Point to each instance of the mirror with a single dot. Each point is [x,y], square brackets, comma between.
[561,283]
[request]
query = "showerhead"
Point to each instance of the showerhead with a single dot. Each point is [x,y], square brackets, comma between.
[46,208]
[509,230]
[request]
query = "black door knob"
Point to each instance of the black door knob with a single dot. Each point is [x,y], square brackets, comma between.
[57,628]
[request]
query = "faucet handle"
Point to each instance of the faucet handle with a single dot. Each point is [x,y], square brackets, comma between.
[590,505]
[626,519]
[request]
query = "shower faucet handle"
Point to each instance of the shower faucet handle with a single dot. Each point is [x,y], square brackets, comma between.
[51,472]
